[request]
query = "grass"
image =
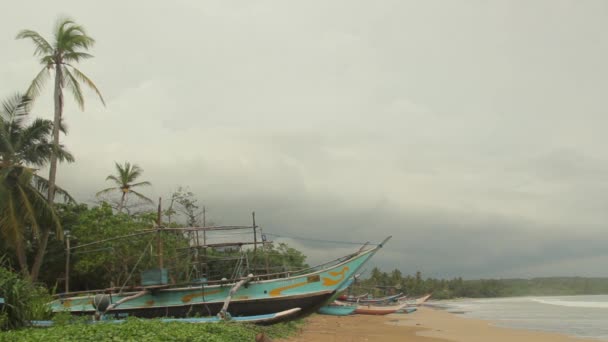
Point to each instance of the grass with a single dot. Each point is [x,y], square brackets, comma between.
[151,330]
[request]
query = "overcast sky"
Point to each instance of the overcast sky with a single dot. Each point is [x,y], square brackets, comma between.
[473,132]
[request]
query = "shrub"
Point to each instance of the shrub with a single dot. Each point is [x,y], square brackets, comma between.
[23,300]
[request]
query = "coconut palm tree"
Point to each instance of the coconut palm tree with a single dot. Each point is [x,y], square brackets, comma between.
[24,146]
[126,174]
[67,49]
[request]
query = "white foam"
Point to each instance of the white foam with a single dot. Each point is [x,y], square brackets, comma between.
[572,304]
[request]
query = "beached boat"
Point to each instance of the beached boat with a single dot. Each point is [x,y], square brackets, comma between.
[375,309]
[381,300]
[414,301]
[347,298]
[337,310]
[307,289]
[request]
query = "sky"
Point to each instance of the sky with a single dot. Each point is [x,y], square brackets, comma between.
[472,132]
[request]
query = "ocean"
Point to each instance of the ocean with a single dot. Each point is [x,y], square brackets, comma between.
[579,316]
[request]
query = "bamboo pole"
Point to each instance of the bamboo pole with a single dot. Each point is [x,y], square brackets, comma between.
[67,261]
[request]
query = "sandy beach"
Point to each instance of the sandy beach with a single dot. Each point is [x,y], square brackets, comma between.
[425,325]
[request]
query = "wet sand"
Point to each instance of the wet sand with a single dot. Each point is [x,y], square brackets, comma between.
[424,325]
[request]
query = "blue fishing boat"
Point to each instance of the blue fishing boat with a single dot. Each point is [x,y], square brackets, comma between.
[337,310]
[253,295]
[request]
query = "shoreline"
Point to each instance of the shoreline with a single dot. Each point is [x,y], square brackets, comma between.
[425,325]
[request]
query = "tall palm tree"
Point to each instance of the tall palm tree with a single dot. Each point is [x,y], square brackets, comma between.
[22,202]
[125,176]
[68,48]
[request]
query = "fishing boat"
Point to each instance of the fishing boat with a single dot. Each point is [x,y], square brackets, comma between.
[253,295]
[414,301]
[337,310]
[381,300]
[347,298]
[370,309]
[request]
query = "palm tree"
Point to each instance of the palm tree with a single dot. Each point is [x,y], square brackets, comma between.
[68,48]
[125,176]
[22,202]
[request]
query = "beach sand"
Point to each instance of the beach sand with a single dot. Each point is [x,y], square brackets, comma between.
[425,325]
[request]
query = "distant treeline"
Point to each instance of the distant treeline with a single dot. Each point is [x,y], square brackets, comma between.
[382,283]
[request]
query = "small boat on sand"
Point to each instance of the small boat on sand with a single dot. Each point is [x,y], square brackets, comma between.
[381,300]
[414,301]
[369,309]
[337,310]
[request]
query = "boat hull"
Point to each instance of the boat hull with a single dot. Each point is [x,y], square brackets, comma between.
[337,310]
[307,303]
[376,309]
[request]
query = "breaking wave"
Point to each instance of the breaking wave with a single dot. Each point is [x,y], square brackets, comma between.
[572,304]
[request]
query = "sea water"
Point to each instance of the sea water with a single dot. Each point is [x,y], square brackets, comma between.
[580,316]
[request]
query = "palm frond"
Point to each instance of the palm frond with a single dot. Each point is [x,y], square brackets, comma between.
[116,180]
[29,213]
[74,86]
[42,45]
[64,155]
[141,183]
[140,196]
[105,191]
[46,210]
[42,185]
[76,56]
[16,105]
[82,77]
[11,227]
[38,83]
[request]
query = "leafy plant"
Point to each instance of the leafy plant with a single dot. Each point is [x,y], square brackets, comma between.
[23,300]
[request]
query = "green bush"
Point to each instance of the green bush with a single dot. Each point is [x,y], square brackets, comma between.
[150,330]
[23,300]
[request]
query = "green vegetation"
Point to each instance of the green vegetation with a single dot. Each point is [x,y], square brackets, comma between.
[24,301]
[380,283]
[151,330]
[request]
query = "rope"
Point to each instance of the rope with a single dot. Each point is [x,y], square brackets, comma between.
[318,240]
[137,263]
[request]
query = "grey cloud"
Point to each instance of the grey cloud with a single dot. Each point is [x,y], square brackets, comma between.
[471,132]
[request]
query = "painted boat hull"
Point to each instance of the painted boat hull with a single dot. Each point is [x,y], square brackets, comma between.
[337,310]
[308,292]
[307,303]
[376,309]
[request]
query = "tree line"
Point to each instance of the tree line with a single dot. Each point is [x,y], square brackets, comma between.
[383,283]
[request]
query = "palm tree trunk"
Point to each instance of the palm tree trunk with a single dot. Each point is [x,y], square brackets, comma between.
[122,202]
[22,258]
[44,236]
